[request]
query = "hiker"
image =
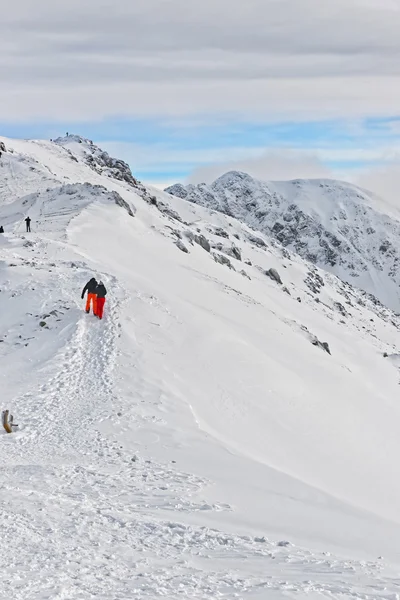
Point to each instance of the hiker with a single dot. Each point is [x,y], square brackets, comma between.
[28,223]
[1,229]
[90,288]
[101,293]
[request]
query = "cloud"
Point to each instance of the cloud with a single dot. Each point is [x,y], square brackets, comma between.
[271,165]
[273,58]
[383,181]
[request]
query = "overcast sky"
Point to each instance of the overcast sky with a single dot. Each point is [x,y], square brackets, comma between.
[111,67]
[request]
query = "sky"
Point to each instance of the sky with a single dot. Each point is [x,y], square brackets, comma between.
[184,90]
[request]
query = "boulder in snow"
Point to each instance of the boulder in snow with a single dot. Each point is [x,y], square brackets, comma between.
[221,232]
[179,244]
[323,345]
[274,275]
[203,242]
[223,260]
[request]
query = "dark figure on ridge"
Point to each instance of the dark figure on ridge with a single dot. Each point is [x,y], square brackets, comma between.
[90,288]
[28,223]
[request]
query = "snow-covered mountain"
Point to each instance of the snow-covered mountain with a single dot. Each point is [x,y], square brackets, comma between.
[229,430]
[337,226]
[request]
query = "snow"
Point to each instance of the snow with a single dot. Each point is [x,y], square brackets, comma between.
[338,226]
[194,443]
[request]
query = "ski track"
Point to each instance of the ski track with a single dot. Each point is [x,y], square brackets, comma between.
[72,532]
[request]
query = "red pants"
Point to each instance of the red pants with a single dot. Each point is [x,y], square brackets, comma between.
[91,299]
[100,307]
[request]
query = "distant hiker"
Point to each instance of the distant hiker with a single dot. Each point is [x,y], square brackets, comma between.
[1,229]
[28,223]
[90,288]
[101,293]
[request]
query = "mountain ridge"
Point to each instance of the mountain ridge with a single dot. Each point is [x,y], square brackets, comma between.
[231,413]
[335,225]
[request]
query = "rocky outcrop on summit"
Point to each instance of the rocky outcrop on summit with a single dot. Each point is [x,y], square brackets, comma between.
[335,225]
[100,161]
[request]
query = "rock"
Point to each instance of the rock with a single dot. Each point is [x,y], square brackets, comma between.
[323,345]
[221,232]
[177,233]
[203,242]
[243,272]
[121,202]
[223,260]
[167,210]
[248,262]
[274,275]
[314,282]
[179,244]
[236,252]
[286,290]
[298,299]
[189,235]
[232,251]
[256,241]
[283,544]
[340,308]
[43,324]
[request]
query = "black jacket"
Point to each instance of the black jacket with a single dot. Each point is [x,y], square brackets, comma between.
[90,287]
[101,291]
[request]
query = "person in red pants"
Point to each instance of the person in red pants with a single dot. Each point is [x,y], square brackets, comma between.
[101,294]
[90,288]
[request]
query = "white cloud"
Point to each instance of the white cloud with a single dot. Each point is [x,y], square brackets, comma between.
[158,156]
[271,165]
[275,58]
[383,181]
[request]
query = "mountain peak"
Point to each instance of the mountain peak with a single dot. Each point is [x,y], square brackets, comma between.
[333,224]
[97,159]
[233,176]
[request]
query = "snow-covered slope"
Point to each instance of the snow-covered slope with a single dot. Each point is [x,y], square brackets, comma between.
[337,226]
[200,441]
